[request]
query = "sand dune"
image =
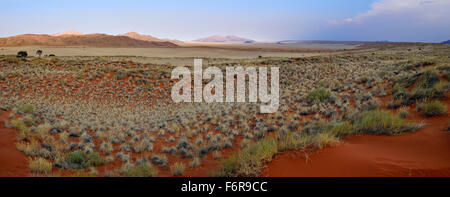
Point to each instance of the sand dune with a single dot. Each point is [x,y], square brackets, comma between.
[420,154]
[93,40]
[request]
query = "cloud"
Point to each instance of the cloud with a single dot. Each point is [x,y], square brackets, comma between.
[398,20]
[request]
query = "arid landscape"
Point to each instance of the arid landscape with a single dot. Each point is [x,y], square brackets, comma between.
[104,108]
[203,96]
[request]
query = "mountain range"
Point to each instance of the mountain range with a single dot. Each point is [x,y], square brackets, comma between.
[138,36]
[130,39]
[225,39]
[74,38]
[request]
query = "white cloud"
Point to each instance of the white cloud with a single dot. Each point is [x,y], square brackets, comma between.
[400,20]
[420,8]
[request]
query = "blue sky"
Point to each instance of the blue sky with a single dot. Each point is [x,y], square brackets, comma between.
[264,20]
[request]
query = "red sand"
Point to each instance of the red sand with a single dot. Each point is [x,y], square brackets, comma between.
[423,153]
[12,162]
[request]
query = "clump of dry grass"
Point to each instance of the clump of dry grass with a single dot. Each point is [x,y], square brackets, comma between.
[107,148]
[32,148]
[323,140]
[40,165]
[403,112]
[383,122]
[249,161]
[216,155]
[142,146]
[141,169]
[195,162]
[177,169]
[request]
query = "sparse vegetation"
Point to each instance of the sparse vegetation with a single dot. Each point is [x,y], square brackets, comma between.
[81,112]
[434,108]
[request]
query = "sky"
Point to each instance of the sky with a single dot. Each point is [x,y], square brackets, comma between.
[261,20]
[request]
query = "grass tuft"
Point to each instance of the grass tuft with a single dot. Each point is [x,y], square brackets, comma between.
[177,169]
[250,160]
[143,169]
[434,108]
[40,165]
[318,95]
[382,122]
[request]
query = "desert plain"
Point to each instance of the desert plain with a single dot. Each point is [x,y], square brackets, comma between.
[346,109]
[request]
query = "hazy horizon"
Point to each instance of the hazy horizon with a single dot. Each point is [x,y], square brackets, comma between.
[365,20]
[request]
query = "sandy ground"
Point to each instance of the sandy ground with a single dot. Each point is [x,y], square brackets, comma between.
[12,162]
[423,153]
[234,51]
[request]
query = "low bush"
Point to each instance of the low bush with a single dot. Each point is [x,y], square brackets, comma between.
[318,95]
[79,159]
[159,160]
[143,169]
[25,109]
[434,108]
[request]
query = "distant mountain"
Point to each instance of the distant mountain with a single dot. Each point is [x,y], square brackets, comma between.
[74,39]
[69,33]
[446,42]
[138,36]
[225,39]
[318,42]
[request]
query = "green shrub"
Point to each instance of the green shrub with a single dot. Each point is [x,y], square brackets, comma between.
[25,109]
[80,159]
[382,122]
[142,170]
[341,129]
[427,79]
[249,161]
[22,54]
[434,108]
[428,86]
[293,141]
[319,95]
